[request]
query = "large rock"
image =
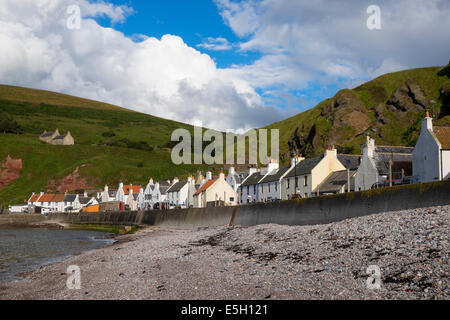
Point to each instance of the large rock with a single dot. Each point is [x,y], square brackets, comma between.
[409,97]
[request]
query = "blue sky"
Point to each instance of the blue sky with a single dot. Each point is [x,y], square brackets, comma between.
[224,64]
[192,20]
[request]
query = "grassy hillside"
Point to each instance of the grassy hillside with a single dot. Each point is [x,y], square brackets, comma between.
[112,144]
[388,108]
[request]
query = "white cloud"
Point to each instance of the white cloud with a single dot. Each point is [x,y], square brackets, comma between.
[216,44]
[164,77]
[328,42]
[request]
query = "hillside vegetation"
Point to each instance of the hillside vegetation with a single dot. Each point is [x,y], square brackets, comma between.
[389,109]
[112,144]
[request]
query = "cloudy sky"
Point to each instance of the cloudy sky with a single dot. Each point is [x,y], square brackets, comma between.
[226,64]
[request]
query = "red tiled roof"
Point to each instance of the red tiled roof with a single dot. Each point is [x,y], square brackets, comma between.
[46,197]
[205,186]
[135,189]
[34,198]
[443,135]
[59,198]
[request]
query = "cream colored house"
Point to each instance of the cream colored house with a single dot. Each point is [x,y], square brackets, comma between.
[214,193]
[309,173]
[56,138]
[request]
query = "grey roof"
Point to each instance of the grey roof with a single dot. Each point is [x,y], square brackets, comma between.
[240,176]
[84,200]
[400,161]
[48,134]
[335,181]
[61,137]
[70,198]
[305,167]
[177,186]
[163,187]
[350,161]
[388,149]
[253,179]
[275,175]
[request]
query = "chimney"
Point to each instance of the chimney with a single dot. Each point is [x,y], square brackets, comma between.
[369,147]
[208,175]
[175,180]
[85,194]
[331,151]
[231,171]
[221,175]
[427,123]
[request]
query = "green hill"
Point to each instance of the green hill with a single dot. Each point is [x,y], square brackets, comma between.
[388,108]
[115,144]
[112,144]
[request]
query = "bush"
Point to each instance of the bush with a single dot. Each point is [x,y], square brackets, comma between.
[9,125]
[109,134]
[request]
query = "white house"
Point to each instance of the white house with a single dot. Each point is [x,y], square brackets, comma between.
[107,195]
[376,162]
[235,179]
[431,155]
[72,203]
[248,190]
[177,194]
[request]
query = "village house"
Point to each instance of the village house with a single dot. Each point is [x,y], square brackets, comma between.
[269,187]
[431,155]
[128,194]
[107,195]
[235,179]
[215,193]
[56,138]
[177,194]
[155,194]
[248,190]
[72,203]
[304,178]
[337,182]
[377,163]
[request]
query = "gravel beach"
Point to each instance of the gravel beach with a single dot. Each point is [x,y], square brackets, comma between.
[410,248]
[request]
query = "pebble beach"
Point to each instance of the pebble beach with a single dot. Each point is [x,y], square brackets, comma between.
[410,248]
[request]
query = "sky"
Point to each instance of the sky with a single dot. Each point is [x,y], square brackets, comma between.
[222,64]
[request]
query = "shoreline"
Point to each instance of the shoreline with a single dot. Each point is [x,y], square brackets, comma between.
[411,247]
[39,263]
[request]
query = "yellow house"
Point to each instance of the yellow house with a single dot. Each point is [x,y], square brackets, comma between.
[215,193]
[309,173]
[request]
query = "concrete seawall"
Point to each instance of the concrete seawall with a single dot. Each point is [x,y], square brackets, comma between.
[309,211]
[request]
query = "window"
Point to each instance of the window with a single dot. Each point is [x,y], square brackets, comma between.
[269,187]
[248,190]
[231,199]
[296,182]
[305,180]
[288,183]
[276,186]
[254,188]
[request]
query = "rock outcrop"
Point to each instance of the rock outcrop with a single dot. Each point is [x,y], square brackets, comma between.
[9,171]
[409,97]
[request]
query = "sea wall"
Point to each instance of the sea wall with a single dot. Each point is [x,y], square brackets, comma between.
[319,210]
